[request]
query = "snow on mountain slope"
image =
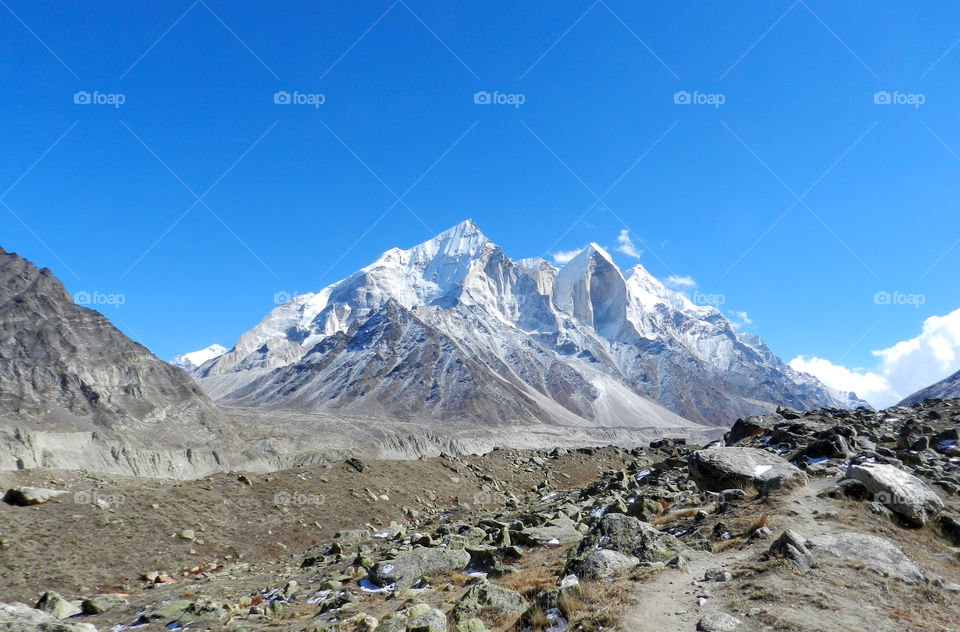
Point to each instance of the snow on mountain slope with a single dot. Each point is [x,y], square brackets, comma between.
[196,359]
[454,330]
[947,388]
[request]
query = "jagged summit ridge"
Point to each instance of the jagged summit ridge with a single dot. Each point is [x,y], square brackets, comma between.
[581,344]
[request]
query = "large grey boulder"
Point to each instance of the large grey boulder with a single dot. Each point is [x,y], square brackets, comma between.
[717,469]
[487,596]
[629,536]
[555,532]
[18,617]
[604,563]
[410,566]
[903,493]
[878,554]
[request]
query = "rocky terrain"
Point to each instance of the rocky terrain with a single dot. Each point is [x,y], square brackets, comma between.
[453,330]
[821,520]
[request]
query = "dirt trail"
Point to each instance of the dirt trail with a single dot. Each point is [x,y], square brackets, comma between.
[675,600]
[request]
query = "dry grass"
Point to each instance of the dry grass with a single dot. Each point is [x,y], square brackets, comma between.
[659,521]
[760,522]
[727,544]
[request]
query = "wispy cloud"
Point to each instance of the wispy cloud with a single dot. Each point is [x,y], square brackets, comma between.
[680,282]
[565,256]
[625,245]
[740,319]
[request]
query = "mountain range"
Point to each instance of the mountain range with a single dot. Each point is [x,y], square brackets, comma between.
[947,388]
[455,331]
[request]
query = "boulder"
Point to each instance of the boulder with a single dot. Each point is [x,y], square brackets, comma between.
[488,597]
[432,620]
[604,563]
[554,532]
[56,606]
[18,617]
[409,567]
[629,536]
[25,496]
[792,546]
[718,622]
[717,469]
[99,604]
[877,554]
[903,493]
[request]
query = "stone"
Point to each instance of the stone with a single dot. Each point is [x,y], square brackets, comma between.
[876,553]
[357,464]
[19,617]
[717,575]
[26,496]
[604,563]
[718,469]
[101,603]
[56,606]
[554,533]
[905,494]
[791,545]
[432,620]
[951,528]
[409,567]
[718,622]
[187,534]
[471,625]
[485,597]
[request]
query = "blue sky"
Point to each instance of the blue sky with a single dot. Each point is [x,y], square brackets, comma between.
[798,198]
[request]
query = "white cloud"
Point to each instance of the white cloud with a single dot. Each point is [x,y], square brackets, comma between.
[626,245]
[902,369]
[677,281]
[740,320]
[565,256]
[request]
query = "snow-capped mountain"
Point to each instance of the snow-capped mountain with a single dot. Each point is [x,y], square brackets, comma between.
[196,359]
[454,330]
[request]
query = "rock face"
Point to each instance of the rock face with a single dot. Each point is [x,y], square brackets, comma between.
[947,388]
[878,554]
[421,333]
[58,358]
[410,566]
[75,391]
[904,493]
[717,469]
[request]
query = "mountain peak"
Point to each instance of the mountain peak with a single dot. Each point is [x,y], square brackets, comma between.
[464,238]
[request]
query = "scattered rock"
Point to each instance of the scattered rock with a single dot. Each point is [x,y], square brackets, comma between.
[604,563]
[357,464]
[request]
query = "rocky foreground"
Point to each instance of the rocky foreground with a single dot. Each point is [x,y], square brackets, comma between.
[825,520]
